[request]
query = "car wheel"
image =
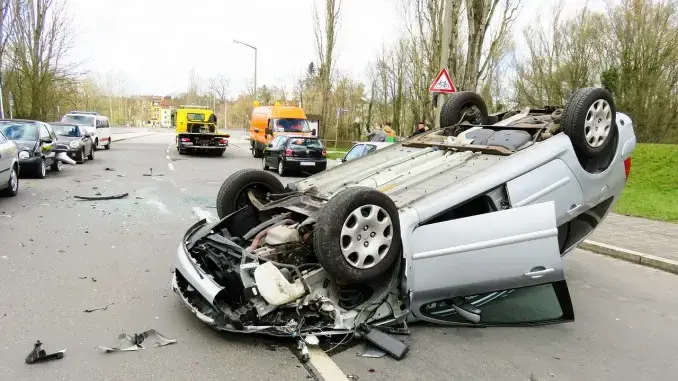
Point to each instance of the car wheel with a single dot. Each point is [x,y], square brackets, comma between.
[257,153]
[589,120]
[233,192]
[281,168]
[57,166]
[41,171]
[91,154]
[82,156]
[13,183]
[464,106]
[96,144]
[108,145]
[264,166]
[357,235]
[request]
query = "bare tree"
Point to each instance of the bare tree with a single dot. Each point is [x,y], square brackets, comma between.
[7,22]
[325,39]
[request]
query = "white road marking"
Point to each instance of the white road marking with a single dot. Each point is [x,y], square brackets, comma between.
[167,157]
[328,369]
[170,166]
[204,214]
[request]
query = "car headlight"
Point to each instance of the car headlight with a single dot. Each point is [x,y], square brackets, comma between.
[75,144]
[24,155]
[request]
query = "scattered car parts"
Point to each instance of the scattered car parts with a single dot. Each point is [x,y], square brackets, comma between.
[101,198]
[134,343]
[39,355]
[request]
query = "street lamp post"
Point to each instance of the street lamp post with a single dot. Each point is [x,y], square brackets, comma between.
[255,64]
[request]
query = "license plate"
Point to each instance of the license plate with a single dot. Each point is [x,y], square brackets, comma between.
[307,164]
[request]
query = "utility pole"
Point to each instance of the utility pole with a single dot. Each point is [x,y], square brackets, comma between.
[444,53]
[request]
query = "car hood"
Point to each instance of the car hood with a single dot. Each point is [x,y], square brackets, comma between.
[66,139]
[25,145]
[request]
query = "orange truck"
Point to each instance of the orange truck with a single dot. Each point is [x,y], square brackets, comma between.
[268,122]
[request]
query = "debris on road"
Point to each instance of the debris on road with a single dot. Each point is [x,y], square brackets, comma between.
[39,355]
[121,175]
[83,277]
[133,343]
[98,197]
[109,169]
[150,173]
[104,308]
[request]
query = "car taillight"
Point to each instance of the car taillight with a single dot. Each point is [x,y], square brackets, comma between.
[185,139]
[223,141]
[324,153]
[288,152]
[627,168]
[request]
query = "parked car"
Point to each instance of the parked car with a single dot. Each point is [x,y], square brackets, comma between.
[462,225]
[97,125]
[9,167]
[295,154]
[75,141]
[363,149]
[35,141]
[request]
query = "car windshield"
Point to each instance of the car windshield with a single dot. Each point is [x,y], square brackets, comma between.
[82,120]
[70,131]
[291,125]
[19,131]
[305,143]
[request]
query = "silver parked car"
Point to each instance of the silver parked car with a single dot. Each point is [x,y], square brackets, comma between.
[9,167]
[463,225]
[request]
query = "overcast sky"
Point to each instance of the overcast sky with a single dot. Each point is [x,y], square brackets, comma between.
[155,43]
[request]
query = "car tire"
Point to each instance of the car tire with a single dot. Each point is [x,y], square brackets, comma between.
[12,188]
[589,120]
[96,144]
[91,154]
[108,145]
[459,104]
[57,166]
[41,170]
[264,166]
[343,248]
[233,196]
[281,168]
[81,156]
[255,152]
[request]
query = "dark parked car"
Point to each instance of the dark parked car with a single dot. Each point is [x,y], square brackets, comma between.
[35,141]
[292,153]
[75,140]
[9,167]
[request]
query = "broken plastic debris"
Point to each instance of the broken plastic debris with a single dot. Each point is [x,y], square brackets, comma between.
[312,340]
[104,308]
[109,169]
[134,343]
[98,198]
[39,355]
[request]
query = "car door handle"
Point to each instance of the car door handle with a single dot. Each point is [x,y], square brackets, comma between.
[573,208]
[538,273]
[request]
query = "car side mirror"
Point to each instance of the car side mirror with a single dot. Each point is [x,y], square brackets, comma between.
[270,145]
[269,131]
[313,132]
[46,140]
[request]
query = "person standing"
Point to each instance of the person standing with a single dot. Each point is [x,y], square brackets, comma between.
[421,128]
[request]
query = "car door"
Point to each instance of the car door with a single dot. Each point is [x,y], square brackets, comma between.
[7,153]
[86,139]
[279,148]
[498,268]
[269,152]
[47,141]
[103,131]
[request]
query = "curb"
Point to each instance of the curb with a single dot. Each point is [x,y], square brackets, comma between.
[648,260]
[130,137]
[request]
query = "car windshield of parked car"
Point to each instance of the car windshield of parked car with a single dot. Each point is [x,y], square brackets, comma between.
[20,131]
[305,143]
[291,125]
[82,120]
[70,131]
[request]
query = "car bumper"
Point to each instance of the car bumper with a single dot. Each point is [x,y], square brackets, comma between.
[308,165]
[195,146]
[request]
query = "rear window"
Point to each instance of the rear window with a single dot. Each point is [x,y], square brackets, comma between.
[82,120]
[305,143]
[192,117]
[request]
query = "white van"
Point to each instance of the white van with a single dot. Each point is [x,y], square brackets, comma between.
[96,124]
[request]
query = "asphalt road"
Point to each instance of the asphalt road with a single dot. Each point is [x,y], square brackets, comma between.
[626,314]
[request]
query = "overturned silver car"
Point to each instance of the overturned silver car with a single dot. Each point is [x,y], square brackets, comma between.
[462,225]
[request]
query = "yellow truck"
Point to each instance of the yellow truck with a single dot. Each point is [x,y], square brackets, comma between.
[196,130]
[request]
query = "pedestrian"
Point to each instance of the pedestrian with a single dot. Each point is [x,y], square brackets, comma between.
[421,128]
[377,135]
[390,134]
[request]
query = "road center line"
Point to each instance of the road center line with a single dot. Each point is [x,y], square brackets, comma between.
[327,368]
[170,166]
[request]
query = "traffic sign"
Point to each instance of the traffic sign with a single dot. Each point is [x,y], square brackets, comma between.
[443,83]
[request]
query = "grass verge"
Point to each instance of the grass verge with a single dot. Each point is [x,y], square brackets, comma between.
[652,189]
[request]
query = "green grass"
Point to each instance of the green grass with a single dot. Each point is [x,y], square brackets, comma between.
[338,154]
[652,189]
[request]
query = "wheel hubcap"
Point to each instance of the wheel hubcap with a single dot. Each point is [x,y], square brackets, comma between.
[59,165]
[366,236]
[598,123]
[43,169]
[280,167]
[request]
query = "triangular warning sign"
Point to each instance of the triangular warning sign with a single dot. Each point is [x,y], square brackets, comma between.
[443,83]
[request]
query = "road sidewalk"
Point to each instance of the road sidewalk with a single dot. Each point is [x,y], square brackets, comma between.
[646,242]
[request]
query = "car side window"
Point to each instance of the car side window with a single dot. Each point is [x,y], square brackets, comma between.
[98,123]
[50,131]
[275,141]
[3,139]
[44,133]
[106,124]
[369,149]
[282,142]
[355,152]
